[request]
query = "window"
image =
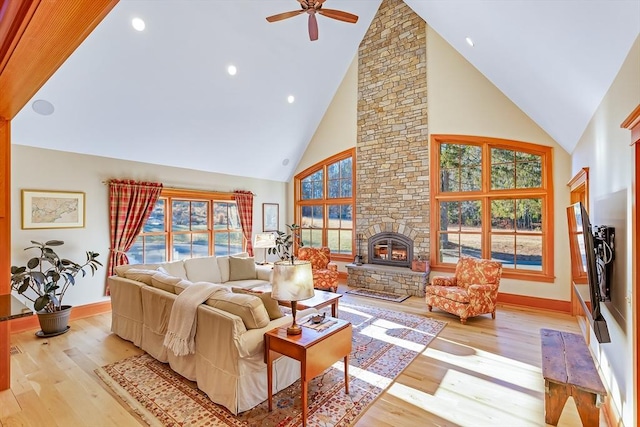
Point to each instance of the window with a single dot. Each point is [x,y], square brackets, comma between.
[189,224]
[494,200]
[324,202]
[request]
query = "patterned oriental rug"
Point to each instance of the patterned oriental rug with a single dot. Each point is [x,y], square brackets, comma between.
[384,343]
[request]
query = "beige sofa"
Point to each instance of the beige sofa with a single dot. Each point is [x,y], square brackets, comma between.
[228,364]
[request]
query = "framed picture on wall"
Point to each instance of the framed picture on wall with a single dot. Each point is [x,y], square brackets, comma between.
[270,216]
[52,209]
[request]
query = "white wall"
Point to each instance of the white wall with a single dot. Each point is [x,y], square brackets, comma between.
[604,148]
[39,169]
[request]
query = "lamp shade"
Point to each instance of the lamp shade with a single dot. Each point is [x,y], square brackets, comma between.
[264,241]
[292,282]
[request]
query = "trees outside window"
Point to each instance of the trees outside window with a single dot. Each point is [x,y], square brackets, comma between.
[494,199]
[324,202]
[189,224]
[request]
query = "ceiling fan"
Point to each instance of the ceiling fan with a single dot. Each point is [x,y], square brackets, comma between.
[312,7]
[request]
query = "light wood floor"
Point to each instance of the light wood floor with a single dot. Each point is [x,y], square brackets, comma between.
[485,373]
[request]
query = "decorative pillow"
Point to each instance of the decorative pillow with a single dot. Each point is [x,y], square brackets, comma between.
[203,269]
[165,282]
[272,306]
[242,268]
[140,275]
[248,307]
[175,268]
[223,264]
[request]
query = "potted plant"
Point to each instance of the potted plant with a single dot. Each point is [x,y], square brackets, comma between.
[45,280]
[285,243]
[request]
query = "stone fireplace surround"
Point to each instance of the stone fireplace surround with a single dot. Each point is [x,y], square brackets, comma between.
[386,278]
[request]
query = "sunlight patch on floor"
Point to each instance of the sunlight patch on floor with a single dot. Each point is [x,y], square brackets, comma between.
[488,364]
[469,401]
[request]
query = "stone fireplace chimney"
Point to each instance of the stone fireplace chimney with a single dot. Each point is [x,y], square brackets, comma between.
[392,149]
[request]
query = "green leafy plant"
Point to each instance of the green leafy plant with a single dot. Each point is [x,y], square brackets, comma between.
[285,243]
[46,278]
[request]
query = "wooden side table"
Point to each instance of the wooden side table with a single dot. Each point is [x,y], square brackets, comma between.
[315,350]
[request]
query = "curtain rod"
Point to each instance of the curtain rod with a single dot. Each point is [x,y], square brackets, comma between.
[190,189]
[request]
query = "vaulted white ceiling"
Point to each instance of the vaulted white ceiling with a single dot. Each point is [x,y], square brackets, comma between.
[164,96]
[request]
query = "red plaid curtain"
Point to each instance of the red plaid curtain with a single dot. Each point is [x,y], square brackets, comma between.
[130,204]
[244,200]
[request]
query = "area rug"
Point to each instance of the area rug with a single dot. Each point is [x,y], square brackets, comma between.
[384,343]
[387,296]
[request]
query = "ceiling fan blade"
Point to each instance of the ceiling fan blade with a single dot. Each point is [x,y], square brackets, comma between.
[313,27]
[339,15]
[285,15]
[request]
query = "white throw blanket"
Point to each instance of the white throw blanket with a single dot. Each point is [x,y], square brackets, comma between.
[181,331]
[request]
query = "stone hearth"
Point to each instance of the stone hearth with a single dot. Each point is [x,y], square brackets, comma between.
[397,280]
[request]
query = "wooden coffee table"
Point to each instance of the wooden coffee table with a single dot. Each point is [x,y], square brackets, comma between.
[320,300]
[315,350]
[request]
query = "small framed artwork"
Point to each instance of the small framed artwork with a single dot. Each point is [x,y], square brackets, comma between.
[52,209]
[270,216]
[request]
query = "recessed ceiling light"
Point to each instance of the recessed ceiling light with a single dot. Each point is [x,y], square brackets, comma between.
[232,70]
[285,162]
[138,24]
[469,41]
[290,99]
[42,107]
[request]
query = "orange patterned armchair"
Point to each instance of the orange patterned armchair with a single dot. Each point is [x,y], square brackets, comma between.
[325,273]
[473,290]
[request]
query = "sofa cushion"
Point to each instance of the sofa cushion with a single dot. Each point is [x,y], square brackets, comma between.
[248,307]
[121,269]
[223,264]
[272,306]
[204,269]
[175,268]
[165,282]
[242,268]
[140,275]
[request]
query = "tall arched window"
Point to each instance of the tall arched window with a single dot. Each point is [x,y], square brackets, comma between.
[492,198]
[324,204]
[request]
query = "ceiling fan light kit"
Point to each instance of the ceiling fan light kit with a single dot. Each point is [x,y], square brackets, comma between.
[311,7]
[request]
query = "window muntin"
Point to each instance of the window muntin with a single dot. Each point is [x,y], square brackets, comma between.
[313,186]
[505,215]
[460,167]
[188,225]
[324,205]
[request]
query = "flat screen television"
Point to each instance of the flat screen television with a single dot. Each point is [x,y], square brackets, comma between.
[582,231]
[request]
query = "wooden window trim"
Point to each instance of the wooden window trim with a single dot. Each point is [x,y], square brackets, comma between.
[546,192]
[298,202]
[170,194]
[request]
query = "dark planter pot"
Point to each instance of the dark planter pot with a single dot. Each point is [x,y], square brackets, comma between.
[55,323]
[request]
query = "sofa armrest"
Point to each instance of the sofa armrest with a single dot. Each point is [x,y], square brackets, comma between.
[332,266]
[477,290]
[444,281]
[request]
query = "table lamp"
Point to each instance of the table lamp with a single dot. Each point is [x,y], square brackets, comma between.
[264,241]
[292,282]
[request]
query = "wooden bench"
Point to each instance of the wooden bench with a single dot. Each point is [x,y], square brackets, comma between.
[568,370]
